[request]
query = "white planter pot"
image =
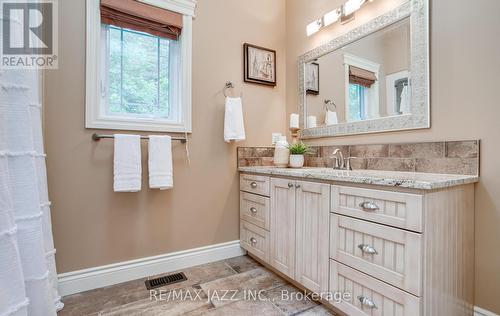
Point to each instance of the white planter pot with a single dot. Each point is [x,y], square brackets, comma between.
[296,161]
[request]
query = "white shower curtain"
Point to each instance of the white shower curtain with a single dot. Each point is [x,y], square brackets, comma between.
[28,280]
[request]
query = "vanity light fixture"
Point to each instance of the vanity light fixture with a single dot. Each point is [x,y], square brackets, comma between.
[344,14]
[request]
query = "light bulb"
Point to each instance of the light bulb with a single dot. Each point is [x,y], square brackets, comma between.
[352,6]
[314,27]
[331,17]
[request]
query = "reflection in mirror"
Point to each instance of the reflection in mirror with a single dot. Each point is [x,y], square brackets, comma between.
[364,80]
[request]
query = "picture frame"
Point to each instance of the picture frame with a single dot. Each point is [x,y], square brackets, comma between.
[259,65]
[312,78]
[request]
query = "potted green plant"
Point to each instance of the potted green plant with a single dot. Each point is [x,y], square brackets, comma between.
[297,152]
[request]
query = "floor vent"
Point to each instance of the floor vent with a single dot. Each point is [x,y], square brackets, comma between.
[165,280]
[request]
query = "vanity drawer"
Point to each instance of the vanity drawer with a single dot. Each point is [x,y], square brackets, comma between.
[254,209]
[389,254]
[386,299]
[396,209]
[255,240]
[254,184]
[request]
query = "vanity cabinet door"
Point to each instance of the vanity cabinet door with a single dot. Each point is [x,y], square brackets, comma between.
[282,226]
[312,226]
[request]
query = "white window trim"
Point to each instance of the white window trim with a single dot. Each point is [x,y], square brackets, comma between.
[373,91]
[93,72]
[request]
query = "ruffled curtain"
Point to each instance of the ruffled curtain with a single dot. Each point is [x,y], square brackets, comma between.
[28,279]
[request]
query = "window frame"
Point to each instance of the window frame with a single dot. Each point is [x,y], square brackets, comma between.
[372,93]
[94,119]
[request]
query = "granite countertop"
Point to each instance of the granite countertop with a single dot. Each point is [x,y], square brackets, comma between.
[412,180]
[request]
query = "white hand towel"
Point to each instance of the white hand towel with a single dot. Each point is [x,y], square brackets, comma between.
[234,128]
[160,162]
[127,163]
[404,107]
[331,118]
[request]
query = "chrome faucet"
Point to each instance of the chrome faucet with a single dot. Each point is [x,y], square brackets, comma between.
[339,159]
[340,163]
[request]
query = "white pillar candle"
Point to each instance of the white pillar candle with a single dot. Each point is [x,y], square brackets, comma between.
[294,120]
[311,121]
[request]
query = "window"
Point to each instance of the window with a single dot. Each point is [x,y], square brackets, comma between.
[357,102]
[138,78]
[361,88]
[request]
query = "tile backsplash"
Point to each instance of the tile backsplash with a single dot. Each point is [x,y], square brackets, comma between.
[454,157]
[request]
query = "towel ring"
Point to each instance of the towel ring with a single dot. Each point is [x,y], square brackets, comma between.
[229,85]
[328,103]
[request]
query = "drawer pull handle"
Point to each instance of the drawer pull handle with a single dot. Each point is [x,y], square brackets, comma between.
[253,210]
[368,249]
[367,302]
[290,185]
[253,240]
[369,206]
[253,185]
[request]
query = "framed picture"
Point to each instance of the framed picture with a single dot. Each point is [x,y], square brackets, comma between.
[312,78]
[259,64]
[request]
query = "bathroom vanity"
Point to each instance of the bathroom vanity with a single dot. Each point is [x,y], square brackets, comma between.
[399,243]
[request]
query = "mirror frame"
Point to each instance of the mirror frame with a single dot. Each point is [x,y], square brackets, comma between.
[418,12]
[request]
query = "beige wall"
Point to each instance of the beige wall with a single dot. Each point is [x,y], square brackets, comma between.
[92,225]
[464,42]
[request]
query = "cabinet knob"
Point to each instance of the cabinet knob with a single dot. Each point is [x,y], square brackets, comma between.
[367,302]
[253,210]
[253,185]
[253,240]
[369,206]
[290,185]
[297,186]
[368,249]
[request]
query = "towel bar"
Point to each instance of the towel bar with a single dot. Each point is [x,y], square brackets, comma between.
[98,137]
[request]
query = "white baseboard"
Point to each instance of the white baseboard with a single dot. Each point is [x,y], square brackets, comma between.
[92,278]
[478,311]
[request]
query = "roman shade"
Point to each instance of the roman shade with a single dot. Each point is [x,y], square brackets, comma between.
[138,16]
[361,76]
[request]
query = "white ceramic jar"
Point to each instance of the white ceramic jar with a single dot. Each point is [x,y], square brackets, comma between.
[281,153]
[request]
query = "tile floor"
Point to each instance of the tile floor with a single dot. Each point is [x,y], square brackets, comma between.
[227,287]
